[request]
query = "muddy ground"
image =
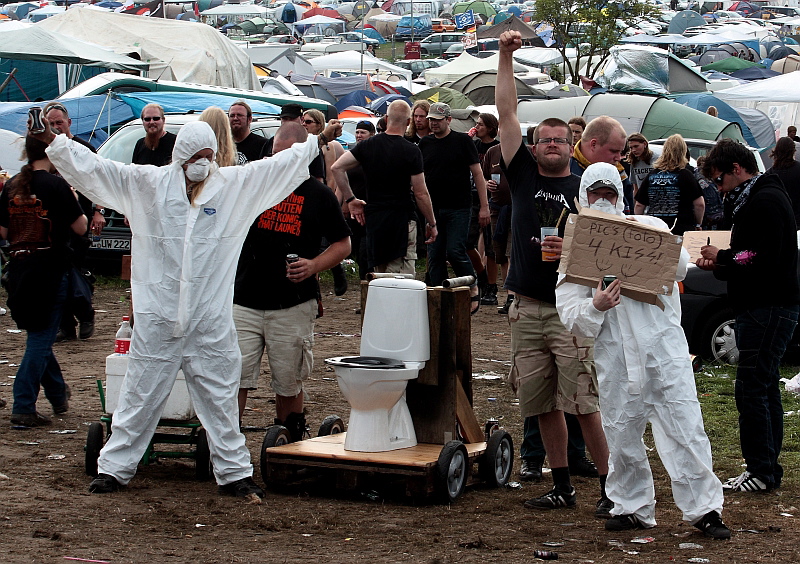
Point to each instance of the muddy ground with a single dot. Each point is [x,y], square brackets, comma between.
[166,515]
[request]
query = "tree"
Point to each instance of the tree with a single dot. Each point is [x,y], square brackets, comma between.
[591,28]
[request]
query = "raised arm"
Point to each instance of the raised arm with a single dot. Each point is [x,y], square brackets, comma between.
[506,96]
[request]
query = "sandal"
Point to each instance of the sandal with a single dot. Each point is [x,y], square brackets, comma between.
[477,300]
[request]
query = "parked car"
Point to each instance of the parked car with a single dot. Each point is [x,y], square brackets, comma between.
[357,36]
[485,48]
[438,43]
[418,66]
[699,147]
[440,25]
[420,23]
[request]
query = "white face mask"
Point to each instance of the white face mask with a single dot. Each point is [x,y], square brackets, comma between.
[604,205]
[198,170]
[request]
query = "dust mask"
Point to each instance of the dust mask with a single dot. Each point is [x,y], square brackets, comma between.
[198,170]
[605,206]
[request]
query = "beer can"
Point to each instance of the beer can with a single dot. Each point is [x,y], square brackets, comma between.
[607,280]
[545,554]
[291,257]
[35,119]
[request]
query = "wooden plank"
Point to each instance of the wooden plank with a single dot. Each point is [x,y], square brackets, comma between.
[126,268]
[429,375]
[466,417]
[462,327]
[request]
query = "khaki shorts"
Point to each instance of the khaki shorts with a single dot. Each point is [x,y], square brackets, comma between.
[551,368]
[408,263]
[286,335]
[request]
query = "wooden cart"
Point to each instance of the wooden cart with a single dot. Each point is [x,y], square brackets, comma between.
[451,441]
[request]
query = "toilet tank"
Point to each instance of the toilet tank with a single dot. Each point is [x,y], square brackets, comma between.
[396,320]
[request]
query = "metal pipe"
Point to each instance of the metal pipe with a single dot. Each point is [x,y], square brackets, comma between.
[460,281]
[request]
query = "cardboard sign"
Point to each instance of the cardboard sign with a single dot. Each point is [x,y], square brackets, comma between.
[642,257]
[693,240]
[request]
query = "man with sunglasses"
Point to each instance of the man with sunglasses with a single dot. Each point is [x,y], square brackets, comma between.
[155,148]
[542,188]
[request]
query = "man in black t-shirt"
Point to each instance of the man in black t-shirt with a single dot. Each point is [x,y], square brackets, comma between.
[275,303]
[449,159]
[541,190]
[391,165]
[155,148]
[249,146]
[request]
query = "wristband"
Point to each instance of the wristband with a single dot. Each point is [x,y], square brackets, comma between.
[350,199]
[101,211]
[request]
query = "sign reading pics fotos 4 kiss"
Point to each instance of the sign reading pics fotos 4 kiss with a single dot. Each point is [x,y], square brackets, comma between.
[642,257]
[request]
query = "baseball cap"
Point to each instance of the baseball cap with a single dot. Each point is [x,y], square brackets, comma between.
[291,111]
[367,125]
[439,110]
[603,183]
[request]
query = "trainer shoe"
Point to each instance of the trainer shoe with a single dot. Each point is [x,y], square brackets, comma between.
[62,409]
[746,482]
[531,470]
[104,483]
[712,526]
[603,508]
[582,466]
[503,310]
[30,419]
[85,330]
[489,296]
[242,488]
[624,523]
[554,499]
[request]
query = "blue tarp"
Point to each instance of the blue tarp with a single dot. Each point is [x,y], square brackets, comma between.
[380,105]
[356,98]
[85,114]
[185,102]
[754,73]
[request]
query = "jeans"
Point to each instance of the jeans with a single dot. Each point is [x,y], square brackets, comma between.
[532,446]
[762,335]
[450,245]
[39,366]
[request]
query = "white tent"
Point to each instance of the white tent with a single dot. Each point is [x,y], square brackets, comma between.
[463,65]
[194,52]
[316,20]
[352,61]
[777,97]
[248,10]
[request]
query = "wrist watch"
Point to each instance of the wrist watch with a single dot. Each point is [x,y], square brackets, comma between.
[101,211]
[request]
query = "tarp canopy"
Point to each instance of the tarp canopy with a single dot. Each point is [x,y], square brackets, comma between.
[542,56]
[193,52]
[356,62]
[777,97]
[685,19]
[380,105]
[729,65]
[448,96]
[640,68]
[512,24]
[645,39]
[761,135]
[280,59]
[36,43]
[339,85]
[246,10]
[755,73]
[11,147]
[184,102]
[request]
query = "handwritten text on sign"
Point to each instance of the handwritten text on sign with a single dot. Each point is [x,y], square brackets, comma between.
[623,250]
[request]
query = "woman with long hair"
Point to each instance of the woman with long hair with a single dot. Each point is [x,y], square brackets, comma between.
[788,169]
[219,122]
[37,212]
[671,191]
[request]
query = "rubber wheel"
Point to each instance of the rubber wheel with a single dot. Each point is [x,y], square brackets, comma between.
[331,425]
[451,471]
[202,457]
[490,428]
[94,444]
[276,435]
[498,460]
[717,339]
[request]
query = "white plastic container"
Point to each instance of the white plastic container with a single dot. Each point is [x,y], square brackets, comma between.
[179,404]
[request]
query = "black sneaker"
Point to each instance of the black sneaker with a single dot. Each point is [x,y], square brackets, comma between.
[746,482]
[505,307]
[62,336]
[242,488]
[104,483]
[531,470]
[582,466]
[490,296]
[712,526]
[603,508]
[30,419]
[623,523]
[64,407]
[85,330]
[554,499]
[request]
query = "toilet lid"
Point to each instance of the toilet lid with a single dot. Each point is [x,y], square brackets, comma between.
[366,362]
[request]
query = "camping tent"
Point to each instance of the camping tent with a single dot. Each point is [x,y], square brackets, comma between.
[685,19]
[640,68]
[356,62]
[655,117]
[445,95]
[729,65]
[757,130]
[479,87]
[463,65]
[357,98]
[315,90]
[512,24]
[754,73]
[280,59]
[787,64]
[776,97]
[380,105]
[477,6]
[193,52]
[338,86]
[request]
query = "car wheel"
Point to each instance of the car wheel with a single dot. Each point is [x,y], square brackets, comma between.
[717,339]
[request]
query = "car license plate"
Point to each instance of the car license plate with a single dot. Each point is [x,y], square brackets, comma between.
[112,244]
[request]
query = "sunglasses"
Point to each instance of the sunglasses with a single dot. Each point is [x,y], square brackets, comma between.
[310,121]
[56,107]
[718,179]
[149,119]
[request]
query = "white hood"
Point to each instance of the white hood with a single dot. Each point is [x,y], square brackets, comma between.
[193,137]
[593,173]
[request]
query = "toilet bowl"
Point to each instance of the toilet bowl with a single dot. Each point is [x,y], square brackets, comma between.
[395,344]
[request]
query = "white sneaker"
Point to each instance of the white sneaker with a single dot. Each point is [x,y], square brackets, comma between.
[2,311]
[745,482]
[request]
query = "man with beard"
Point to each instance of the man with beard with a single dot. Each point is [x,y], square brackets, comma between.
[249,146]
[546,388]
[155,148]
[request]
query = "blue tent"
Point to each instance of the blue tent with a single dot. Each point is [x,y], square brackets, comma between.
[516,10]
[728,113]
[184,102]
[381,105]
[288,14]
[372,33]
[754,73]
[356,98]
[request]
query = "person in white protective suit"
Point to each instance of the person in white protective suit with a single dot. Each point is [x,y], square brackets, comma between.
[188,222]
[644,374]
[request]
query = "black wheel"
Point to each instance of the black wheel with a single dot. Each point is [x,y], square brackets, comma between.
[202,457]
[276,435]
[94,443]
[331,425]
[452,469]
[497,462]
[717,339]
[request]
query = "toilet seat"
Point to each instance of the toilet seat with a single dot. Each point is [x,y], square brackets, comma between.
[374,362]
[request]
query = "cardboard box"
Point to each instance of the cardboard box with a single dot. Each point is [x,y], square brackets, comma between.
[642,257]
[179,404]
[693,240]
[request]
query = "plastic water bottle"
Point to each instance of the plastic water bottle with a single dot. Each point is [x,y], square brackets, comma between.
[122,343]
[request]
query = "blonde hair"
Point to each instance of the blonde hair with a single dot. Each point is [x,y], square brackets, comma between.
[226,148]
[411,131]
[673,157]
[317,116]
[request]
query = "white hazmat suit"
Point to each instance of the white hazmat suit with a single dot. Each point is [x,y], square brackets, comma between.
[644,374]
[184,260]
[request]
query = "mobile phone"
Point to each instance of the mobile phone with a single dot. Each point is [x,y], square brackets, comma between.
[607,280]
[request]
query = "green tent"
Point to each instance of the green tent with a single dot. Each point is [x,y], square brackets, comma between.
[729,65]
[255,25]
[477,6]
[452,98]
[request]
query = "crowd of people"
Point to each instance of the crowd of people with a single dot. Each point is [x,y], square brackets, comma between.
[230,231]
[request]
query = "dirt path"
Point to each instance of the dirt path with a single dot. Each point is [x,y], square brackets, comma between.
[165,515]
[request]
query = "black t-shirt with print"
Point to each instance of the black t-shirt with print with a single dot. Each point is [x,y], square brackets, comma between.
[161,156]
[537,201]
[250,148]
[447,173]
[670,195]
[296,225]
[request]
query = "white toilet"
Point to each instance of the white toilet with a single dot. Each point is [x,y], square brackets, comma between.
[395,344]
